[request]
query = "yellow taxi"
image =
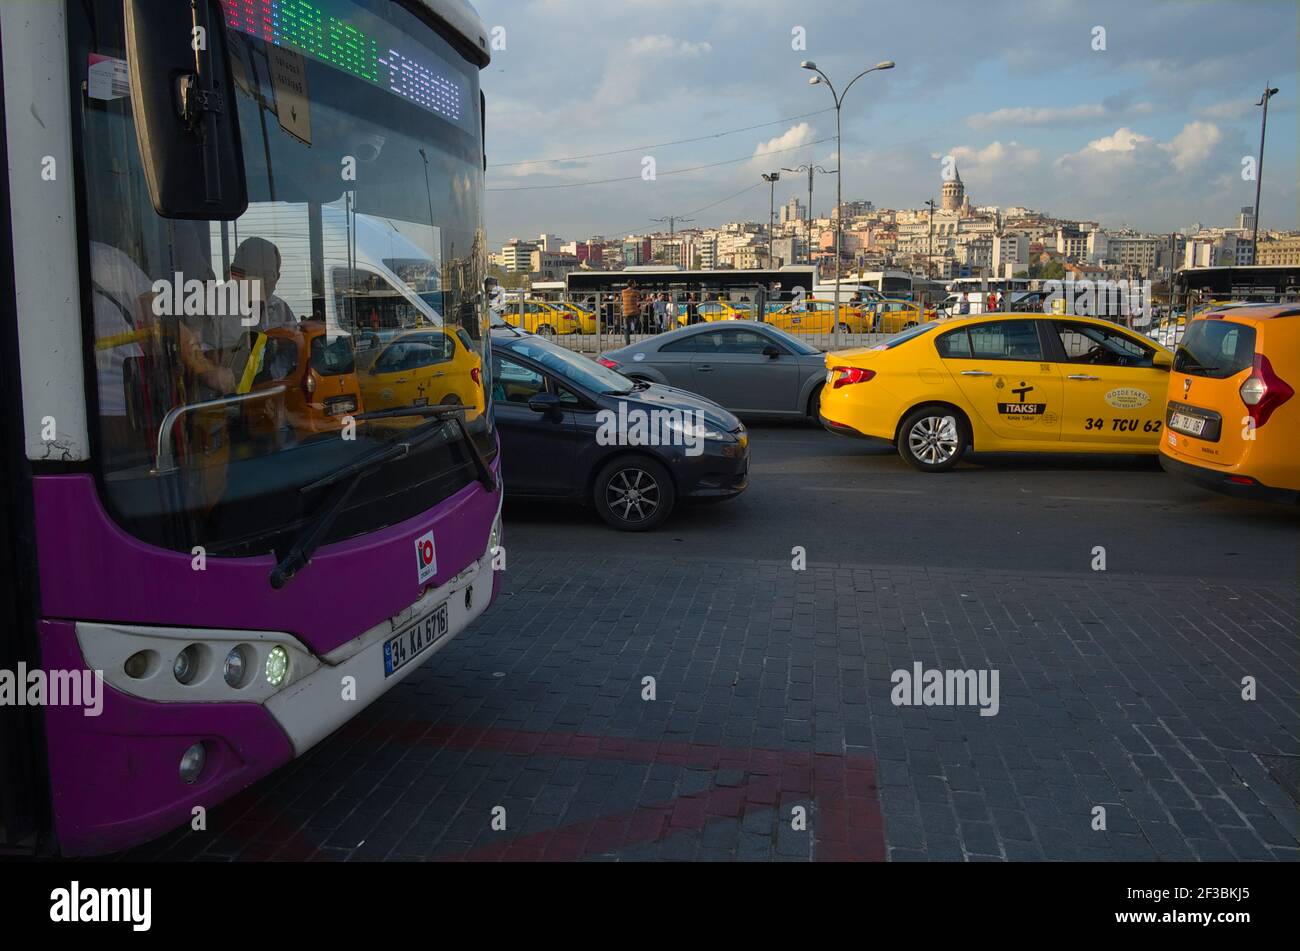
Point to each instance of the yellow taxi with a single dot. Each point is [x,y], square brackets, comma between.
[1001,383]
[586,318]
[713,310]
[816,315]
[543,317]
[1232,415]
[892,316]
[427,367]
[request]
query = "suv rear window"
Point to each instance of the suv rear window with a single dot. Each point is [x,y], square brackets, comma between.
[1216,349]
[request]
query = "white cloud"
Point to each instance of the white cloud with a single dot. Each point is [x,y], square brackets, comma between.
[663,45]
[993,154]
[1193,144]
[1123,139]
[792,137]
[1035,115]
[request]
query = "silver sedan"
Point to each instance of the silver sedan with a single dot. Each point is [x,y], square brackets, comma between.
[749,367]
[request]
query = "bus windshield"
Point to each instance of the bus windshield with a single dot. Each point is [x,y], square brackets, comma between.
[362,146]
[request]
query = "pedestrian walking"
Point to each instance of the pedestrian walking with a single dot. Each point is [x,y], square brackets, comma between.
[692,309]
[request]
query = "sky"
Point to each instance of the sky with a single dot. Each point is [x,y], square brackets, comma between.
[1136,113]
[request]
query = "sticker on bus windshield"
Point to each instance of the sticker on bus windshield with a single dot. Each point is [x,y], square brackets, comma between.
[106,78]
[426,559]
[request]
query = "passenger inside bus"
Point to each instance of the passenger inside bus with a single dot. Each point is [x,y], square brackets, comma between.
[259,260]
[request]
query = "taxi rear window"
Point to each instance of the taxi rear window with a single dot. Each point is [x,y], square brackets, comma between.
[904,336]
[1216,349]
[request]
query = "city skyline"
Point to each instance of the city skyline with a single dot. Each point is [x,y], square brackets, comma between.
[1147,133]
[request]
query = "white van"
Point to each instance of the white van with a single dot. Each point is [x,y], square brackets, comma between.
[381,275]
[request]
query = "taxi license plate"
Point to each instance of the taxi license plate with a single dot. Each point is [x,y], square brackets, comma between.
[415,639]
[1191,425]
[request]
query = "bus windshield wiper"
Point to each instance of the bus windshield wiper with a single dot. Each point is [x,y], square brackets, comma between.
[441,414]
[346,479]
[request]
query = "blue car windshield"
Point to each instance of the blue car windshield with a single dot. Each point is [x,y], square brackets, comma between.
[577,369]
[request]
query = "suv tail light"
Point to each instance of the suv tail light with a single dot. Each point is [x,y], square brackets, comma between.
[844,376]
[1263,391]
[608,363]
[475,376]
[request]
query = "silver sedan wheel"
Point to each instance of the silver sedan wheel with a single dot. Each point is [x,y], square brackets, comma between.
[632,495]
[934,439]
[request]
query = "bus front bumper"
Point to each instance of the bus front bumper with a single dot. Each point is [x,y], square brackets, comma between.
[116,771]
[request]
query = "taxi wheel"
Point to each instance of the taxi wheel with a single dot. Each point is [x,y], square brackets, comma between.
[843,328]
[634,494]
[546,330]
[933,438]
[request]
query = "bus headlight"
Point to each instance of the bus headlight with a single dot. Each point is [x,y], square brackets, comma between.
[277,665]
[192,762]
[235,667]
[186,664]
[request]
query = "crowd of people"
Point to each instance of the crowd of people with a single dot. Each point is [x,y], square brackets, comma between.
[643,312]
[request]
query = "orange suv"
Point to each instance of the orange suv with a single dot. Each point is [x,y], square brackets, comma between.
[1233,413]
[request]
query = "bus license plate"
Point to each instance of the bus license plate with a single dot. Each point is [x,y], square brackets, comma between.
[1190,425]
[415,640]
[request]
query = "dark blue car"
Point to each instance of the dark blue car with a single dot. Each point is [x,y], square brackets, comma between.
[572,430]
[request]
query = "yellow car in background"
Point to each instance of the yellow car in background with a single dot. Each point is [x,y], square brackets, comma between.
[427,367]
[586,318]
[543,317]
[1232,415]
[713,310]
[817,316]
[892,316]
[1001,383]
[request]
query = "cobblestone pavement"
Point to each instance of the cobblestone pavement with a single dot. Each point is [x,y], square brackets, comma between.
[772,734]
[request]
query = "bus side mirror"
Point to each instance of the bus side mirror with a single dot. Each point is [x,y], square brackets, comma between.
[1163,360]
[183,101]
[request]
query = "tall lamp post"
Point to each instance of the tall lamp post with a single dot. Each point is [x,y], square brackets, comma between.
[809,169]
[929,239]
[771,178]
[1259,172]
[839,172]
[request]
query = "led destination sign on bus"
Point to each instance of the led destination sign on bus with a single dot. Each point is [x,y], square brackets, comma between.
[336,40]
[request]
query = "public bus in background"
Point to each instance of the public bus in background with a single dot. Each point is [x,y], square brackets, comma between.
[1255,284]
[1195,289]
[736,286]
[890,283]
[243,578]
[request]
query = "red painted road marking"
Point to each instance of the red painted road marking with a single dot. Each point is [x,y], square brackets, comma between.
[846,824]
[845,820]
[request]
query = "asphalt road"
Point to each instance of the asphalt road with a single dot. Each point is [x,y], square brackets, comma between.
[855,502]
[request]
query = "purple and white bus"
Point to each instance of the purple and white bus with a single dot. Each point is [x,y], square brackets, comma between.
[225,531]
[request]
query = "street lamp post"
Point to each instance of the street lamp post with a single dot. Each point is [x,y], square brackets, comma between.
[929,239]
[1259,171]
[839,172]
[808,217]
[771,178]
